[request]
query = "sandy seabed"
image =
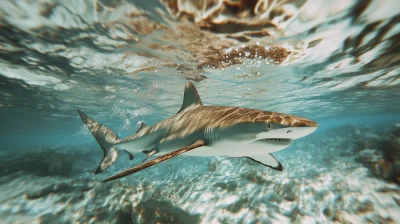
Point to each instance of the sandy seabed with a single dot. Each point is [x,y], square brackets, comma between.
[347,174]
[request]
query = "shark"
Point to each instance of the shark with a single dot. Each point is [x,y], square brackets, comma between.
[200,130]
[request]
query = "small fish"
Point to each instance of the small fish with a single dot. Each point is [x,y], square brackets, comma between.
[199,130]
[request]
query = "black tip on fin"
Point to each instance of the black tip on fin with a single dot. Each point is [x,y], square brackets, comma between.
[82,115]
[109,158]
[98,170]
[142,125]
[190,96]
[130,155]
[277,168]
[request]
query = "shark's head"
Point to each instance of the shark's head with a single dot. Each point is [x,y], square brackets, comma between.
[272,134]
[281,129]
[283,132]
[279,136]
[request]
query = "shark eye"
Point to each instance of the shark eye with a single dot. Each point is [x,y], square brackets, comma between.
[268,126]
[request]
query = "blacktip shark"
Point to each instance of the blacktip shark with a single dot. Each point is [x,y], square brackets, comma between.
[198,130]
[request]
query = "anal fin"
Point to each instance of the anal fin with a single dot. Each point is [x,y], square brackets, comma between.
[149,153]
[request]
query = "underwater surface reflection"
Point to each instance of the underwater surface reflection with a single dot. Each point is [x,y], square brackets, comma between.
[126,62]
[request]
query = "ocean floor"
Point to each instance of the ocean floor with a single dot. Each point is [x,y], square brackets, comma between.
[348,174]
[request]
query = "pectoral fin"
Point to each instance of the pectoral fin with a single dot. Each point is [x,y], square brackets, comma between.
[267,160]
[155,161]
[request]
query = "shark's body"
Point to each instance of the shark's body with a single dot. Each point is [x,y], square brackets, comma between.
[226,131]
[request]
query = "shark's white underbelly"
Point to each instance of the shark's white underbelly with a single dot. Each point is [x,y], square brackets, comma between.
[231,148]
[222,146]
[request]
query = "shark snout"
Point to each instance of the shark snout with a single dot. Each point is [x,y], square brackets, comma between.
[299,132]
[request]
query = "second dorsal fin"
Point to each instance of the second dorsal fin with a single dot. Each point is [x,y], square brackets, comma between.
[190,97]
[142,125]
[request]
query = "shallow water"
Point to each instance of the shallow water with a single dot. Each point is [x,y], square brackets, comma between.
[125,62]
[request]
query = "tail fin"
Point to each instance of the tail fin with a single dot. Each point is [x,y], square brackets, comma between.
[106,139]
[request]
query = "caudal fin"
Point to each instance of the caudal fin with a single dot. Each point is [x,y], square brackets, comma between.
[106,139]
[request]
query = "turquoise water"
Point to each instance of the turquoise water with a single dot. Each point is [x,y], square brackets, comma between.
[126,62]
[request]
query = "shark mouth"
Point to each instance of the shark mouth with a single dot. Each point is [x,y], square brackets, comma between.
[277,139]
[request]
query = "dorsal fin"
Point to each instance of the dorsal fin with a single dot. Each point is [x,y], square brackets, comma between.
[142,125]
[190,97]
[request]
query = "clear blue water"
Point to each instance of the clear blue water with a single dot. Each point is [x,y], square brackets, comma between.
[125,62]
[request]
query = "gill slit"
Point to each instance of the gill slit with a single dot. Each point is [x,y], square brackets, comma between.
[211,133]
